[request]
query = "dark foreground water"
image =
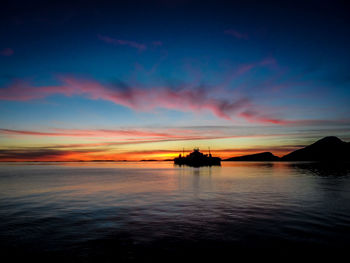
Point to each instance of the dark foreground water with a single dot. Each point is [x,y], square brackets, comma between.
[109,212]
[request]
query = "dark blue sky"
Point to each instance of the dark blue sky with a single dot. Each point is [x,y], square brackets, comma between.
[267,67]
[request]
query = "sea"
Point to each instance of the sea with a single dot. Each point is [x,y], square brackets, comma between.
[137,211]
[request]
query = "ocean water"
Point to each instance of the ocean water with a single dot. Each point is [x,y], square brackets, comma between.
[113,212]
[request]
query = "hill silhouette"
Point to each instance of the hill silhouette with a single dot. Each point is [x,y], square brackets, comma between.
[264,156]
[330,148]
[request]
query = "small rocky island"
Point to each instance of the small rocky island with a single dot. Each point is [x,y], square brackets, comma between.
[265,156]
[197,159]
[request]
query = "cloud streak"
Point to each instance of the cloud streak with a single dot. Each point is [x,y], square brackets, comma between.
[129,137]
[120,42]
[118,138]
[182,98]
[65,154]
[186,98]
[257,117]
[193,97]
[6,52]
[23,154]
[89,133]
[236,34]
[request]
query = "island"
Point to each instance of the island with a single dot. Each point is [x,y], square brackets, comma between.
[265,156]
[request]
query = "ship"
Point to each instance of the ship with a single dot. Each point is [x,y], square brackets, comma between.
[197,159]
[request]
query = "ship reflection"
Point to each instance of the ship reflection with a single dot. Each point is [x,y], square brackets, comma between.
[322,169]
[197,180]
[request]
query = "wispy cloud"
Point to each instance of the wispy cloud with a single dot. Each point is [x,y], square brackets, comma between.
[130,136]
[254,116]
[182,98]
[114,41]
[236,34]
[157,43]
[7,52]
[245,68]
[25,154]
[114,149]
[122,137]
[105,133]
[224,153]
[67,153]
[258,117]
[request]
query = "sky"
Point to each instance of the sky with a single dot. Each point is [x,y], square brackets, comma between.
[140,80]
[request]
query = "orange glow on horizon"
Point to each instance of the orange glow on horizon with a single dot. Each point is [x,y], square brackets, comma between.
[133,156]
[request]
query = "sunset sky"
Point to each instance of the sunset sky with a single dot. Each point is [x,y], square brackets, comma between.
[134,80]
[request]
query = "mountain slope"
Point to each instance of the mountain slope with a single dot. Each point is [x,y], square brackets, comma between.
[327,149]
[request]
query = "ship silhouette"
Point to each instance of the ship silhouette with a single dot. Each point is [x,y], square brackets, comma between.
[197,159]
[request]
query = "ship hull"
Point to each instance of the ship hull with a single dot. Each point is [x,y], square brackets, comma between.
[209,161]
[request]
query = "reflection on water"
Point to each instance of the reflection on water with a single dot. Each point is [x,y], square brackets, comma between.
[129,211]
[323,169]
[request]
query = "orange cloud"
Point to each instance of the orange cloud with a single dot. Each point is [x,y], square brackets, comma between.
[25,154]
[76,153]
[104,150]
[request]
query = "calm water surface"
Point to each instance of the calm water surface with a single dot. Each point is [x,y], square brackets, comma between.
[128,211]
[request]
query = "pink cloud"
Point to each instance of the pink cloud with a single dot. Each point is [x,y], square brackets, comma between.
[257,117]
[7,52]
[23,91]
[236,34]
[133,44]
[185,98]
[182,98]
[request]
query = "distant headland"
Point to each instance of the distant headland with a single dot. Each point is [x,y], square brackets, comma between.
[329,148]
[265,156]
